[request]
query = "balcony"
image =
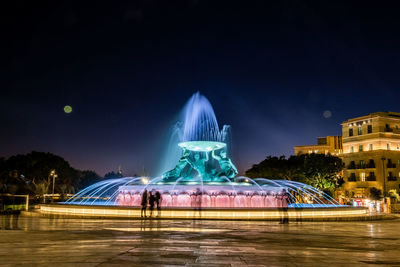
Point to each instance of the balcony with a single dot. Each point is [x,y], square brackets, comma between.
[388,130]
[371,178]
[370,166]
[351,166]
[352,179]
[392,178]
[391,165]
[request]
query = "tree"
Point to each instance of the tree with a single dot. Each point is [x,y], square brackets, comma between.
[322,171]
[375,193]
[88,178]
[318,170]
[276,168]
[112,175]
[34,168]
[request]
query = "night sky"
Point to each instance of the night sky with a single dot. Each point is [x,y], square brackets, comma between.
[270,68]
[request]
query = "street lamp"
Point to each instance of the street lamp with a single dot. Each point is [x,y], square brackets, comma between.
[384,178]
[54,175]
[54,178]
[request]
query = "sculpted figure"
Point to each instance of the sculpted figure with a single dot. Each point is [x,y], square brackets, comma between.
[178,170]
[199,164]
[227,168]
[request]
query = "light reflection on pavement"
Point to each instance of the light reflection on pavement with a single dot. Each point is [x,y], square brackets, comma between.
[57,242]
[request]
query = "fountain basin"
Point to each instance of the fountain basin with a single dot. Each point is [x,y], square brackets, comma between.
[272,214]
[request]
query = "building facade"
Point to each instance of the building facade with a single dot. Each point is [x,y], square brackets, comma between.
[326,145]
[371,154]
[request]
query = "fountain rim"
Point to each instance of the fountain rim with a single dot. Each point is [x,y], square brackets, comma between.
[201,146]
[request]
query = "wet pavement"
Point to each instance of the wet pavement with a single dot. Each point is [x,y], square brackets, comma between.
[87,242]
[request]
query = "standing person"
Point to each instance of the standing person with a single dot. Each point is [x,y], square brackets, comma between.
[284,207]
[144,204]
[158,203]
[198,200]
[152,200]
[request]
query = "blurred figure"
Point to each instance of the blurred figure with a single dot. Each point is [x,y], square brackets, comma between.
[198,200]
[144,204]
[284,207]
[158,203]
[152,200]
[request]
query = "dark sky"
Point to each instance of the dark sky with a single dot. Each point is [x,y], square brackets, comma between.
[270,69]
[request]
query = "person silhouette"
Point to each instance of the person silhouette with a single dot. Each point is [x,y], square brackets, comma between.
[144,203]
[158,202]
[152,200]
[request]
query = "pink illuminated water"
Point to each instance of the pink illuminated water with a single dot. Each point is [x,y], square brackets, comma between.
[188,200]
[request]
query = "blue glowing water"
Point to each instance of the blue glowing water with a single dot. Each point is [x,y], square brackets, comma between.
[197,122]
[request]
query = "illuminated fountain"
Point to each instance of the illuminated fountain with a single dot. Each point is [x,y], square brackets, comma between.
[203,175]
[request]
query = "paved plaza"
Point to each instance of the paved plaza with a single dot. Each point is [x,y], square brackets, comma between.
[80,242]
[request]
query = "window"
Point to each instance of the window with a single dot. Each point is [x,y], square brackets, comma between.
[371,163]
[352,177]
[359,130]
[370,147]
[360,148]
[388,146]
[363,176]
[369,129]
[351,149]
[352,165]
[350,132]
[362,164]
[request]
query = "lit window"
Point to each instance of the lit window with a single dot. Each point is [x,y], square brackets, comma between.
[360,148]
[316,151]
[359,130]
[363,176]
[370,147]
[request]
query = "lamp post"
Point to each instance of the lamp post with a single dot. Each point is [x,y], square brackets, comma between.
[54,179]
[384,178]
[52,173]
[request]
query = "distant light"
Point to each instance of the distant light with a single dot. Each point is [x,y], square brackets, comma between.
[327,114]
[67,109]
[145,180]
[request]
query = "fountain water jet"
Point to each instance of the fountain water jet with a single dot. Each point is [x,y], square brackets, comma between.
[204,171]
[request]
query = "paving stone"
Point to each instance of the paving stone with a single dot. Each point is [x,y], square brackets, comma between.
[78,242]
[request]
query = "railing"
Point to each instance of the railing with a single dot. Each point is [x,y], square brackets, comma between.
[352,179]
[392,178]
[391,165]
[370,166]
[351,166]
[371,178]
[360,166]
[388,130]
